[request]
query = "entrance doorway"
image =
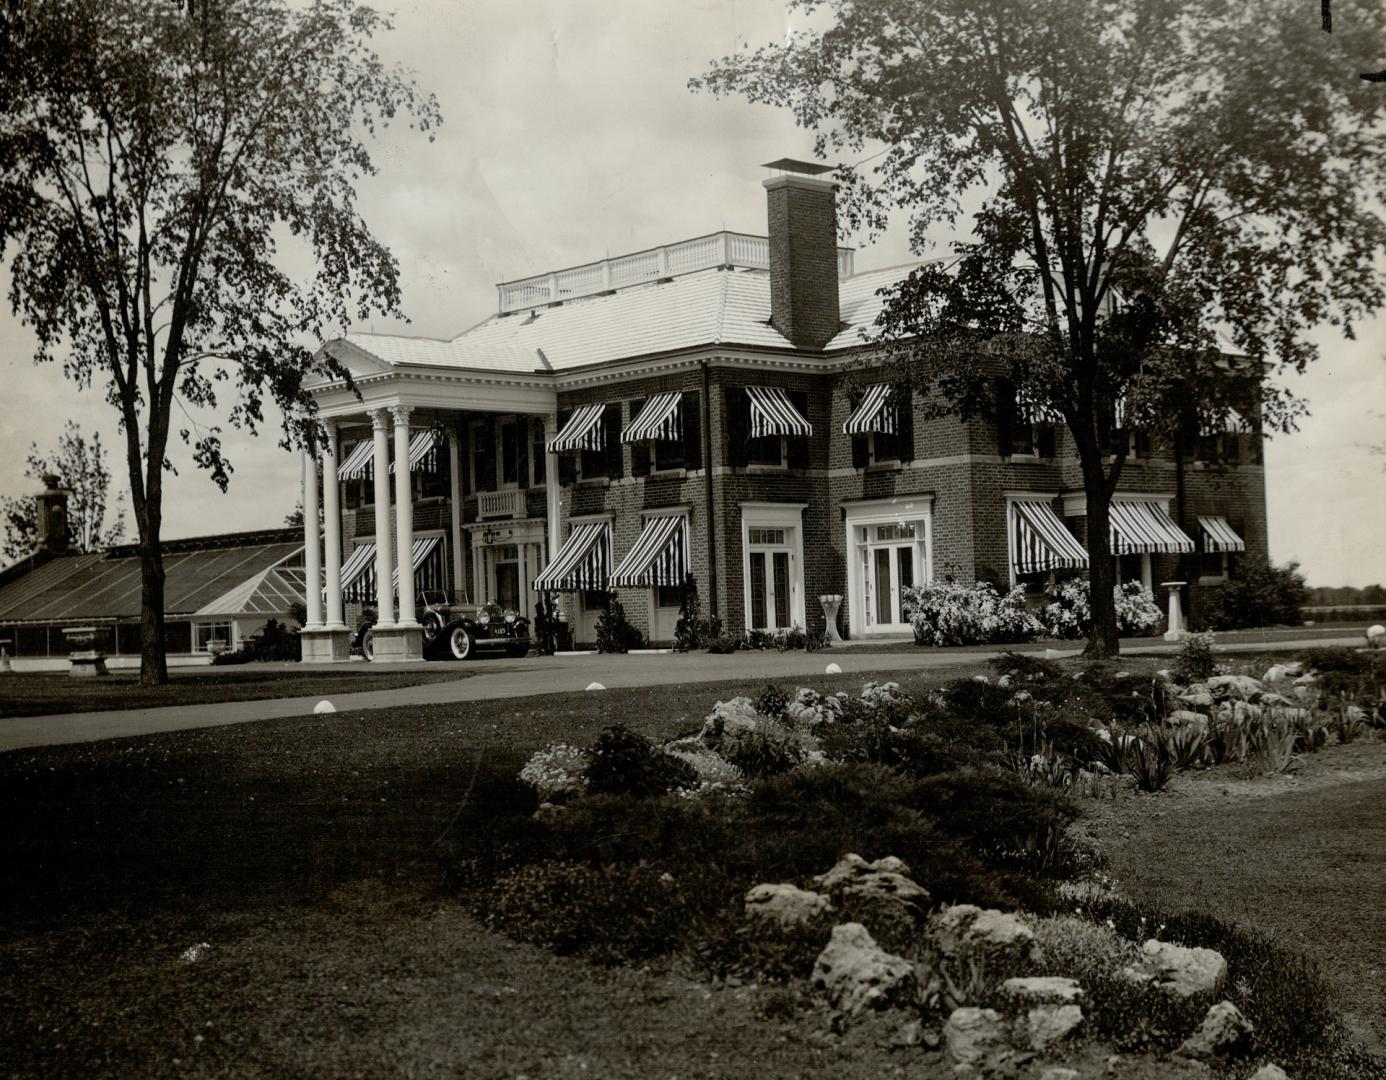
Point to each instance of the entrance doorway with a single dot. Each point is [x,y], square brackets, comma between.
[507,577]
[888,552]
[768,568]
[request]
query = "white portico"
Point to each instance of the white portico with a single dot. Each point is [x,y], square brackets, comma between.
[398,413]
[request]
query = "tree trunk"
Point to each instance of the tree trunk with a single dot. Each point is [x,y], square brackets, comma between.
[1102,639]
[153,655]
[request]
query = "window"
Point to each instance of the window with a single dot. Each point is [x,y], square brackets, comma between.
[768,451]
[667,596]
[537,451]
[483,456]
[509,454]
[904,530]
[765,536]
[593,600]
[206,632]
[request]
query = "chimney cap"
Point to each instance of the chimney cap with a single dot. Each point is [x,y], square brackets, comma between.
[807,168]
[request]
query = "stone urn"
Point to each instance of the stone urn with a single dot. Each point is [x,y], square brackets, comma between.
[217,646]
[830,605]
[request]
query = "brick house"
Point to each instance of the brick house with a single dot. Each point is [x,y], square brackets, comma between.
[686,409]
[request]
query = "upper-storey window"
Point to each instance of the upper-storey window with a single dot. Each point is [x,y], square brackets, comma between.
[767,427]
[881,425]
[670,446]
[1023,428]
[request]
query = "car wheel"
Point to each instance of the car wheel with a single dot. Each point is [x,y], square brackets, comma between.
[460,643]
[368,644]
[432,627]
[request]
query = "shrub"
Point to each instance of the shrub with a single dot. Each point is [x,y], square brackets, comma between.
[1259,594]
[1026,667]
[1081,949]
[1148,760]
[615,634]
[950,613]
[693,631]
[626,763]
[274,641]
[1186,745]
[1270,747]
[1069,613]
[1194,661]
[724,643]
[772,702]
[766,750]
[557,772]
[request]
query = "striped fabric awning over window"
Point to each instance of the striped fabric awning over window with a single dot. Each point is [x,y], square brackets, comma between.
[358,463]
[583,562]
[772,413]
[358,574]
[421,447]
[1220,536]
[875,413]
[1141,528]
[1039,541]
[583,431]
[659,419]
[423,548]
[657,557]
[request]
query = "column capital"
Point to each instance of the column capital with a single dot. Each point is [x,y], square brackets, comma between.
[380,419]
[329,425]
[401,414]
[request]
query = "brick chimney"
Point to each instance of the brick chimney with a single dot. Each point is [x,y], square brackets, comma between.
[802,211]
[50,516]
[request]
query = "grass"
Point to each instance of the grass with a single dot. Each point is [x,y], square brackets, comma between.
[32,694]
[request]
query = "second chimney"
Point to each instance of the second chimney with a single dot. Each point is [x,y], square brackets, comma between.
[803,253]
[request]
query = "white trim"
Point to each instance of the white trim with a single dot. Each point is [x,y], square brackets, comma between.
[898,509]
[1076,502]
[775,515]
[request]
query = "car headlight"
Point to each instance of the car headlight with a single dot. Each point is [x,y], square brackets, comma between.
[483,618]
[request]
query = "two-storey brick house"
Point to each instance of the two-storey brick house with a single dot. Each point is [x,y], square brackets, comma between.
[686,410]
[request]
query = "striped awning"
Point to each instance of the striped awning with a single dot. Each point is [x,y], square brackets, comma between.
[659,419]
[583,431]
[772,414]
[358,463]
[875,413]
[423,548]
[421,447]
[358,574]
[657,557]
[1141,528]
[582,562]
[1220,536]
[1040,542]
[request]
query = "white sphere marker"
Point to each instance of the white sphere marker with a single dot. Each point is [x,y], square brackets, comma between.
[324,706]
[832,669]
[595,686]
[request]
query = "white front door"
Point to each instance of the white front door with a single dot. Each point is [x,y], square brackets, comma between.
[772,598]
[888,571]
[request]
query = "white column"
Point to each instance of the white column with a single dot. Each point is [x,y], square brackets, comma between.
[552,492]
[455,495]
[404,516]
[332,518]
[312,541]
[1147,575]
[476,567]
[384,563]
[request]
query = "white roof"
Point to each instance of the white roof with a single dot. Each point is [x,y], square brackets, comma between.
[710,307]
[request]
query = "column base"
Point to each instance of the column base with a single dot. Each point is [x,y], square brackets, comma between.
[325,645]
[396,644]
[1176,635]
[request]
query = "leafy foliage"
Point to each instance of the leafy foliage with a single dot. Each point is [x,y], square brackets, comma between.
[1259,594]
[615,633]
[949,612]
[693,630]
[623,762]
[1069,613]
[80,466]
[1194,662]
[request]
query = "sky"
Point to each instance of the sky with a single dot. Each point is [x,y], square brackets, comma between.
[569,134]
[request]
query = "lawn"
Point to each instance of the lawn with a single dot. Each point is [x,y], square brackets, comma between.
[312,855]
[31,694]
[1302,857]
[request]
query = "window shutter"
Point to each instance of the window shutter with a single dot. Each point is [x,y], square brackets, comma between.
[1046,440]
[611,436]
[798,446]
[904,420]
[567,463]
[1005,416]
[860,452]
[690,414]
[738,425]
[522,450]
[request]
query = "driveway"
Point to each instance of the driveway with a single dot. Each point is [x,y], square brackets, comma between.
[507,679]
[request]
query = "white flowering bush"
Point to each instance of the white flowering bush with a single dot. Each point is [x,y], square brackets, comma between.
[556,773]
[951,613]
[1069,613]
[715,773]
[810,710]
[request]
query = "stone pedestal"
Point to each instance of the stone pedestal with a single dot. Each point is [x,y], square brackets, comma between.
[86,662]
[324,645]
[1176,631]
[830,608]
[395,644]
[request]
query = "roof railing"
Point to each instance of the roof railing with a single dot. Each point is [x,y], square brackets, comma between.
[730,249]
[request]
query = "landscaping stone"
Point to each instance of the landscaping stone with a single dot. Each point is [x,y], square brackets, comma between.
[1183,717]
[972,1035]
[595,686]
[1235,686]
[857,974]
[1224,1032]
[832,669]
[1058,1072]
[1048,1024]
[1180,971]
[1269,1071]
[885,881]
[1275,673]
[785,905]
[324,706]
[1197,696]
[968,928]
[1044,988]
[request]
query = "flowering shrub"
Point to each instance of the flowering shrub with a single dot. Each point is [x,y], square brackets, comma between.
[951,613]
[714,772]
[810,710]
[1069,613]
[557,772]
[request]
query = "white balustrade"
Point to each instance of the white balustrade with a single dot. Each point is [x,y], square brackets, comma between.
[500,504]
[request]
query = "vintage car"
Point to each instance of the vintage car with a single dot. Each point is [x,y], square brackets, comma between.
[453,631]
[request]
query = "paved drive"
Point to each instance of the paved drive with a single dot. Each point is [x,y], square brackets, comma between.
[489,680]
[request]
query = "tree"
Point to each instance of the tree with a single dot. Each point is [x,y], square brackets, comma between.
[81,469]
[177,197]
[1192,164]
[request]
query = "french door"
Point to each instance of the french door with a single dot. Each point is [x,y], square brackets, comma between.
[887,571]
[771,595]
